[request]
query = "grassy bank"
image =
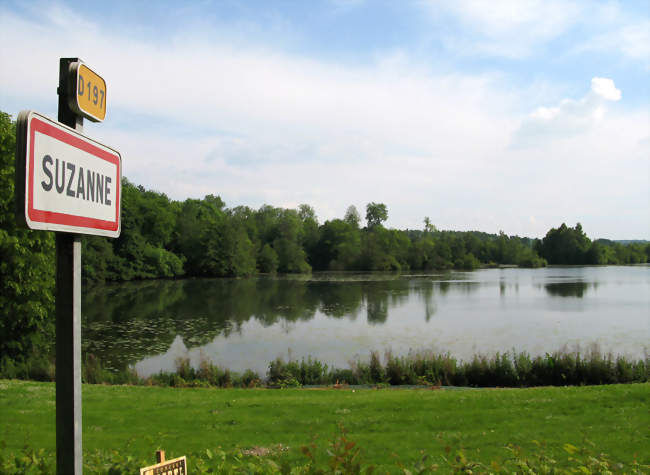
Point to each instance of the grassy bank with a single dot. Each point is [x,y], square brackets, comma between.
[389,426]
[508,369]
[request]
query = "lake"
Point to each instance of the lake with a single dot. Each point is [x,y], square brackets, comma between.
[339,317]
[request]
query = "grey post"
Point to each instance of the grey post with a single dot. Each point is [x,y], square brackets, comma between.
[68,320]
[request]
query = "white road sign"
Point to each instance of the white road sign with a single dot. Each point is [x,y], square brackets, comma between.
[70,182]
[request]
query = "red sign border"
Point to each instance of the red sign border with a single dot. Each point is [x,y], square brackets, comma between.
[36,124]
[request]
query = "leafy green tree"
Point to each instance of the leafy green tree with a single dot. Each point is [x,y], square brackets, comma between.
[399,246]
[377,251]
[196,237]
[352,216]
[26,268]
[98,260]
[159,262]
[428,226]
[596,254]
[310,235]
[267,218]
[339,246]
[566,245]
[376,213]
[469,262]
[129,247]
[529,258]
[267,260]
[215,241]
[612,252]
[472,244]
[442,257]
[287,244]
[158,217]
[421,254]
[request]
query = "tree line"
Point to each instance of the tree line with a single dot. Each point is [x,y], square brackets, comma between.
[163,238]
[203,238]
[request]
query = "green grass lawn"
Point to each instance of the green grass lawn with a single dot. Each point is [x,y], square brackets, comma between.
[388,425]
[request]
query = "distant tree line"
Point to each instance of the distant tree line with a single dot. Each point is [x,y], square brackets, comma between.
[571,246]
[162,238]
[203,238]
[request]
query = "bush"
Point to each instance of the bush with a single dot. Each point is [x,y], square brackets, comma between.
[26,269]
[283,374]
[399,371]
[313,372]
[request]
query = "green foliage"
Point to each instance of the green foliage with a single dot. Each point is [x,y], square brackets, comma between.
[566,245]
[288,243]
[310,232]
[383,250]
[207,375]
[26,268]
[267,261]
[469,262]
[376,213]
[293,374]
[338,247]
[159,262]
[36,366]
[341,455]
[352,216]
[604,251]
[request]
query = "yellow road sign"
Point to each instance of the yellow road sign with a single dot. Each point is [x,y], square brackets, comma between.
[89,95]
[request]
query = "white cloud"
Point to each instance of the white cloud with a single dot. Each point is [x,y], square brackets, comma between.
[605,88]
[257,125]
[569,118]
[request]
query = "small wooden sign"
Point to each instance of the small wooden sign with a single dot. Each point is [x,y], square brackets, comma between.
[177,466]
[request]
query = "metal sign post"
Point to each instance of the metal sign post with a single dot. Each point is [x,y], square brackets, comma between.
[68,320]
[71,184]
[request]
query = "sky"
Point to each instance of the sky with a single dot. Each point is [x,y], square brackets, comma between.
[502,115]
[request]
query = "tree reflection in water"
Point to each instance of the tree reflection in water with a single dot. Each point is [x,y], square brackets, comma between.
[125,322]
[568,289]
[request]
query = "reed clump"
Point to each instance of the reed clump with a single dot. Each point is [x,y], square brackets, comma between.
[508,369]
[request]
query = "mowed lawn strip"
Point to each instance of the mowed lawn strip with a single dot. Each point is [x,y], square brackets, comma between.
[386,424]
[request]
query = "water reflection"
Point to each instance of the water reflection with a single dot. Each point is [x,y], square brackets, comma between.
[323,315]
[568,289]
[125,322]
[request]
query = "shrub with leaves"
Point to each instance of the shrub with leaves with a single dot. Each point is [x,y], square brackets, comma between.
[26,269]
